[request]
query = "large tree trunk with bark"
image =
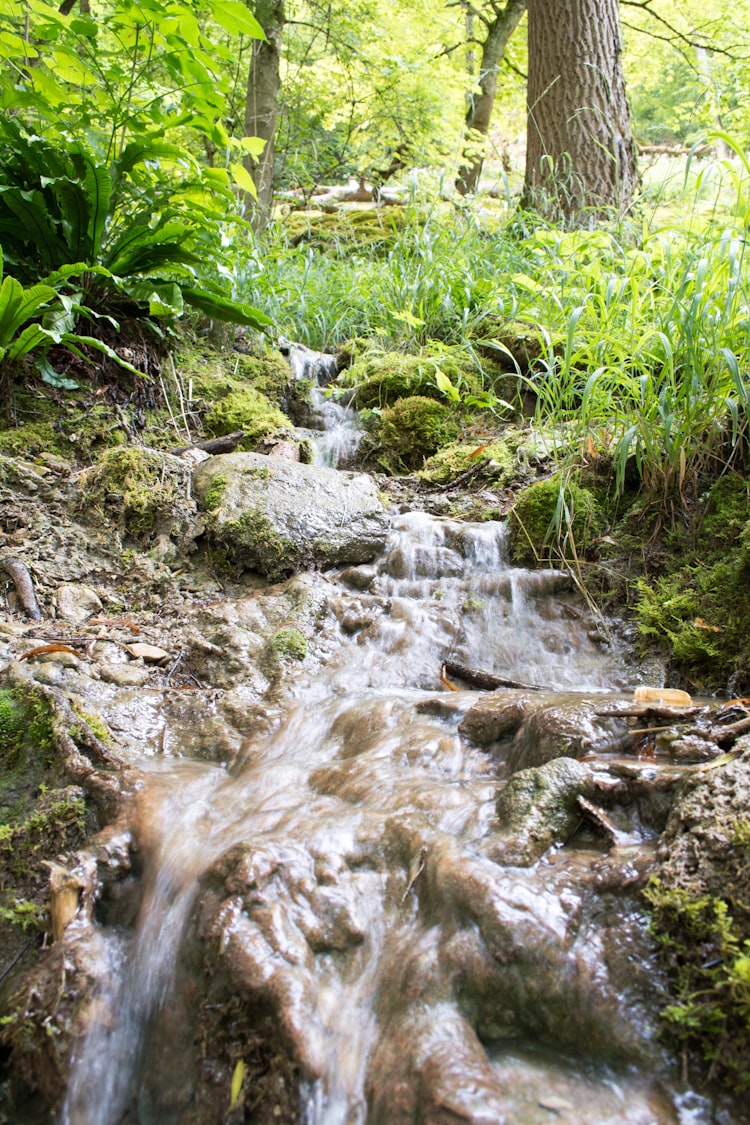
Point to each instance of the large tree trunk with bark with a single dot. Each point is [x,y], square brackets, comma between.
[262,102]
[500,23]
[580,157]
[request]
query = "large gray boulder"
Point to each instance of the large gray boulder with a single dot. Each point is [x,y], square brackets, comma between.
[277,516]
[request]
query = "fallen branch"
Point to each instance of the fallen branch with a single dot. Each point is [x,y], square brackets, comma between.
[226,444]
[487,681]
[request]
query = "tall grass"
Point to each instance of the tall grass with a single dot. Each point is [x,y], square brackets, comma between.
[644,326]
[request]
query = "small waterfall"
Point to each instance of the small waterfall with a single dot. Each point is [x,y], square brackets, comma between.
[366,908]
[336,432]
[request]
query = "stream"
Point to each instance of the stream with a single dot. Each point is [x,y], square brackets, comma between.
[423,956]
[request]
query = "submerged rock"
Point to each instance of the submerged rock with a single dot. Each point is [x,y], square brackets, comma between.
[538,808]
[278,516]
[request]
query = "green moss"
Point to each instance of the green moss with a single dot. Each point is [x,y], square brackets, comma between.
[245,409]
[413,429]
[253,540]
[495,459]
[381,378]
[140,484]
[215,492]
[707,953]
[289,642]
[699,612]
[41,815]
[551,519]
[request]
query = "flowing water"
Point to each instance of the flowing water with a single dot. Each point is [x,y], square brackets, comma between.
[348,877]
[337,432]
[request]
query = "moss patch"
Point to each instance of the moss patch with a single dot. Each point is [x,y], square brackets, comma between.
[40,814]
[700,903]
[551,518]
[141,485]
[381,378]
[253,541]
[246,409]
[699,612]
[413,429]
[495,459]
[289,642]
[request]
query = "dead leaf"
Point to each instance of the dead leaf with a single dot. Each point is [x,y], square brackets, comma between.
[699,623]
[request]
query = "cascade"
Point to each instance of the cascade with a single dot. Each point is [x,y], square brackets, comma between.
[336,432]
[356,875]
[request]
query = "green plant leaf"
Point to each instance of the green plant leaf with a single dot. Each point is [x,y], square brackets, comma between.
[238,1077]
[222,308]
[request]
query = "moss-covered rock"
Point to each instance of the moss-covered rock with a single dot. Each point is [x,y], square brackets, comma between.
[277,516]
[495,459]
[144,490]
[700,900]
[538,808]
[381,378]
[413,429]
[554,518]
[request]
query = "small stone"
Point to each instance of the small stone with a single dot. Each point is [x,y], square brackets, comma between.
[124,675]
[66,659]
[151,654]
[77,604]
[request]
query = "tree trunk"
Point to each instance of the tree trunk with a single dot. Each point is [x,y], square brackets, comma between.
[580,157]
[262,103]
[500,24]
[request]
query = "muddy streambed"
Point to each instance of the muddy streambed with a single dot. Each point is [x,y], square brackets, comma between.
[351,893]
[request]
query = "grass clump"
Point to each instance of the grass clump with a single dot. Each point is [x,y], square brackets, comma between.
[554,519]
[412,430]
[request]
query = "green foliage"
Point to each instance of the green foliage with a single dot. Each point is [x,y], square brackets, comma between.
[707,951]
[115,236]
[554,519]
[699,611]
[13,722]
[413,429]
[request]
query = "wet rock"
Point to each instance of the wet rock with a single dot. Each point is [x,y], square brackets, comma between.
[277,516]
[495,716]
[538,809]
[149,654]
[77,604]
[124,675]
[547,725]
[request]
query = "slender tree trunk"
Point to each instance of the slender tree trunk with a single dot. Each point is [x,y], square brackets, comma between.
[262,103]
[500,24]
[580,157]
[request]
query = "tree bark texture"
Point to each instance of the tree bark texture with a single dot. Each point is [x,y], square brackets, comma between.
[580,157]
[262,102]
[500,22]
